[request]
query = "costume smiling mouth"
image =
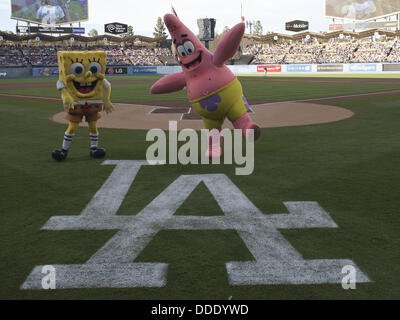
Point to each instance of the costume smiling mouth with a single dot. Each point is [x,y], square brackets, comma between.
[194,63]
[85,87]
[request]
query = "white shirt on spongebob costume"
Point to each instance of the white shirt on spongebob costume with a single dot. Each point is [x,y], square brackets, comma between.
[50,14]
[106,85]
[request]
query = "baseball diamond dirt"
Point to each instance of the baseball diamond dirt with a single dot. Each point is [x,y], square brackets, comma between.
[280,114]
[268,114]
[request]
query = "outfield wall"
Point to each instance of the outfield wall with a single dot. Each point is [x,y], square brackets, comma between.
[42,72]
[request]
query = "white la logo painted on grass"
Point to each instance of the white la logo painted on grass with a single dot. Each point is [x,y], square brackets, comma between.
[188,152]
[113,266]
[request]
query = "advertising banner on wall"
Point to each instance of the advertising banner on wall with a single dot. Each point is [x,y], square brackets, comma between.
[391,67]
[15,72]
[45,72]
[147,70]
[116,70]
[335,27]
[330,68]
[299,68]
[362,67]
[270,68]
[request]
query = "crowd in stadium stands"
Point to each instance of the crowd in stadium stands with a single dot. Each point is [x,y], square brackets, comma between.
[335,51]
[362,51]
[37,56]
[12,56]
[47,55]
[146,57]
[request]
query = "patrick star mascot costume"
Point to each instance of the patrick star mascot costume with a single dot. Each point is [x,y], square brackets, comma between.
[213,90]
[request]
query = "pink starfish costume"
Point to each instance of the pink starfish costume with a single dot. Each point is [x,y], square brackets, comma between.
[213,90]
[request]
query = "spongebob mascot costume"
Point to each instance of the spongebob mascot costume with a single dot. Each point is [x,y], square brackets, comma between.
[81,82]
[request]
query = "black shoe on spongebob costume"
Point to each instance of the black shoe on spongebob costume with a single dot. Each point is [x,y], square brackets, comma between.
[82,84]
[97,153]
[59,155]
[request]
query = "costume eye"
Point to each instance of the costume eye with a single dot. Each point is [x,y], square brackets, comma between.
[181,50]
[76,69]
[94,67]
[189,47]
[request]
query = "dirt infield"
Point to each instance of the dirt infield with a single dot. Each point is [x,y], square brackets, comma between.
[281,114]
[267,115]
[156,114]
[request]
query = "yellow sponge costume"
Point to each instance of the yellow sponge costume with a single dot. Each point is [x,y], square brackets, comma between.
[82,85]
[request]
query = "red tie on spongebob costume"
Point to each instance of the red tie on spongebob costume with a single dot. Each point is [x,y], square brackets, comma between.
[213,90]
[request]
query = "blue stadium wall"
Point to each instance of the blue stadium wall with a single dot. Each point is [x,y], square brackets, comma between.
[46,72]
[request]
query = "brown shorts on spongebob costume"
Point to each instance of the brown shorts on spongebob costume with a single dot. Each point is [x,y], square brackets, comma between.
[91,112]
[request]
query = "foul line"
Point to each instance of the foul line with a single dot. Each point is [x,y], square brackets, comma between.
[6,95]
[359,95]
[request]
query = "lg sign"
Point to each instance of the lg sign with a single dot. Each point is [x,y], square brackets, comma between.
[121,70]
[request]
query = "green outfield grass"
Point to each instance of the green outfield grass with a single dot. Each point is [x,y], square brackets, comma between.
[254,90]
[351,168]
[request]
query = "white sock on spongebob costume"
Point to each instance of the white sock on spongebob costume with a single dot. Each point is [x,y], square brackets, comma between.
[94,140]
[67,140]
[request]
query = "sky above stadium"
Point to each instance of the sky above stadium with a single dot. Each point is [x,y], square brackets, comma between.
[143,14]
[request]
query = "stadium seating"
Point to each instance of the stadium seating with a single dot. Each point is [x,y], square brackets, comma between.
[334,51]
[47,55]
[12,56]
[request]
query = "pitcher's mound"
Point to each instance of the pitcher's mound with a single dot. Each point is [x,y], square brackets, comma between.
[280,114]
